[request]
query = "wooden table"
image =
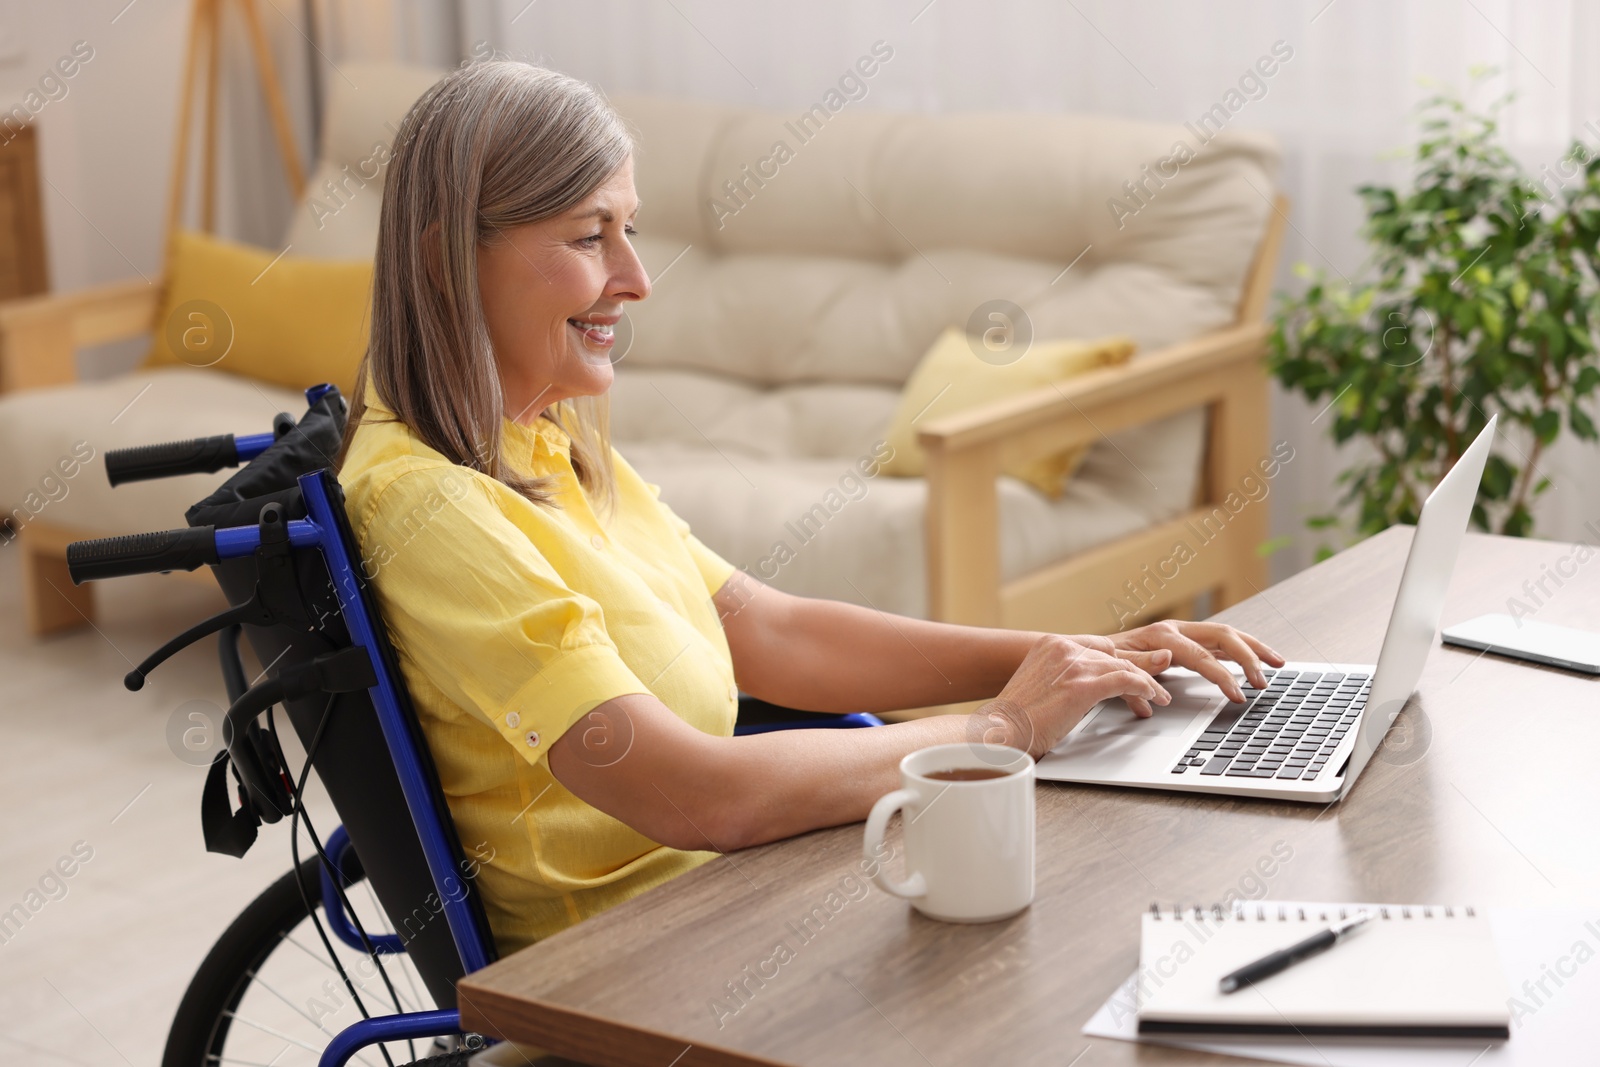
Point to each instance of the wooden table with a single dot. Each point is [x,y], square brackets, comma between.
[1485,791]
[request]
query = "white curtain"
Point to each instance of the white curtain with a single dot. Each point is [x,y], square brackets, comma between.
[1341,106]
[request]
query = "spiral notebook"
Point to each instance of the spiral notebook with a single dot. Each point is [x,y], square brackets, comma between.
[1412,971]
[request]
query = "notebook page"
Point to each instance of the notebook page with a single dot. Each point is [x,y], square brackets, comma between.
[1431,969]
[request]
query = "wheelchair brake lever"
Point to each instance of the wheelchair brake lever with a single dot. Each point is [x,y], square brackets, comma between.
[274,599]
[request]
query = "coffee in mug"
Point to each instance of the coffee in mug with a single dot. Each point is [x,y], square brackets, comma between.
[968,814]
[966,774]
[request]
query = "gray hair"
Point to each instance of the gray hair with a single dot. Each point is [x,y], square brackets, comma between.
[491,146]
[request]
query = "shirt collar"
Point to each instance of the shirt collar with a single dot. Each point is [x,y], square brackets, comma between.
[544,437]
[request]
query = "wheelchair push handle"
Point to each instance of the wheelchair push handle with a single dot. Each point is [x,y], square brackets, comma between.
[198,455]
[146,553]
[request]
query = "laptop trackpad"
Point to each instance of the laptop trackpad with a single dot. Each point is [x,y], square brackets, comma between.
[1116,719]
[1113,742]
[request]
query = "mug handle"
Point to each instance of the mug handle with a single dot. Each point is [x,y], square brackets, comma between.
[877,822]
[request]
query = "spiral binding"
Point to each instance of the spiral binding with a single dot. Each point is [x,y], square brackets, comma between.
[1241,912]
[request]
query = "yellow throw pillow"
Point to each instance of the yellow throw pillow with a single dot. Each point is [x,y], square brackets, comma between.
[951,378]
[294,322]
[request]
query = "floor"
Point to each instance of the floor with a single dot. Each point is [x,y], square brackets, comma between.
[94,974]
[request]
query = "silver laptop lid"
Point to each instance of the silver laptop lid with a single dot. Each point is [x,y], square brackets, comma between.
[1414,620]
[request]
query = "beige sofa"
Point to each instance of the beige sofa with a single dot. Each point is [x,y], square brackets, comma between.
[791,303]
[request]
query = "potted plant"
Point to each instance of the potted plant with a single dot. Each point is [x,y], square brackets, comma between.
[1483,297]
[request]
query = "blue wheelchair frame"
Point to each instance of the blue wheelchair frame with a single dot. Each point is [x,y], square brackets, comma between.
[323,530]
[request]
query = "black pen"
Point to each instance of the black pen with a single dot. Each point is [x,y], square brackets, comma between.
[1284,958]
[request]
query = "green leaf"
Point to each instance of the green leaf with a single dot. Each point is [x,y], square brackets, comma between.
[1498,476]
[1274,545]
[1447,327]
[1494,324]
[1581,423]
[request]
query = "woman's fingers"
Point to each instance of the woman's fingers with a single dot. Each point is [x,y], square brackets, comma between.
[1151,661]
[1214,669]
[1132,685]
[1148,663]
[1232,643]
[1198,658]
[1218,635]
[1061,679]
[1197,645]
[1264,650]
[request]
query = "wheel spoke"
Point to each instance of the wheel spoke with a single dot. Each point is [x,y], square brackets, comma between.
[380,993]
[265,1029]
[409,968]
[255,979]
[222,994]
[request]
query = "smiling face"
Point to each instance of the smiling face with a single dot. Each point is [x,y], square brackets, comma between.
[552,292]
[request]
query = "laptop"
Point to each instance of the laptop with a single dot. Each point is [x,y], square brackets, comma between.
[1310,732]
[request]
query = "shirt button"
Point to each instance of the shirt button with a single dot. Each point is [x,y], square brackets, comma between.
[512,718]
[598,541]
[533,739]
[733,692]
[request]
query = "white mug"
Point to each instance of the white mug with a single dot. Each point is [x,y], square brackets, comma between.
[968,844]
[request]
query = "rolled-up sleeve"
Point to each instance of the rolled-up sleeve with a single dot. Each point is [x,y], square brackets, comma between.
[473,605]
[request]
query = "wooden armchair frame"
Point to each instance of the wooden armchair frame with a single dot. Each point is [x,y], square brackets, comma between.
[1219,371]
[39,340]
[40,336]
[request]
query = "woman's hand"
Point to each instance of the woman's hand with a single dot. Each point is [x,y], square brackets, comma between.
[1059,680]
[1197,646]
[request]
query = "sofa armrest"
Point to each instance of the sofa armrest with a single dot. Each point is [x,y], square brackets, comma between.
[966,451]
[40,335]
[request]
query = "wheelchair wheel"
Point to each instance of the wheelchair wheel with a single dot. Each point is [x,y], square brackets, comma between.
[267,993]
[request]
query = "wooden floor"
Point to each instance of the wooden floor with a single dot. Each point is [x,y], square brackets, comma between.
[93,977]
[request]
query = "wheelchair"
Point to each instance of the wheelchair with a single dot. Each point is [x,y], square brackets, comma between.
[383,917]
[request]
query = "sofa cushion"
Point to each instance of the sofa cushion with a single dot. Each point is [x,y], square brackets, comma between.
[883,185]
[963,371]
[337,217]
[815,527]
[821,420]
[747,466]
[269,316]
[884,228]
[752,327]
[881,229]
[39,427]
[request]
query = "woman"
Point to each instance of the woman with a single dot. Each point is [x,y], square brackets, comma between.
[574,652]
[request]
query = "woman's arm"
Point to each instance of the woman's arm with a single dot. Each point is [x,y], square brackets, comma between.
[637,761]
[825,655]
[690,790]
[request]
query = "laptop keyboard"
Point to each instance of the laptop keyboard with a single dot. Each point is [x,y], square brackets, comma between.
[1287,730]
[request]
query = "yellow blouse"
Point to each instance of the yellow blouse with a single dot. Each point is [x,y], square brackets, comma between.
[512,621]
